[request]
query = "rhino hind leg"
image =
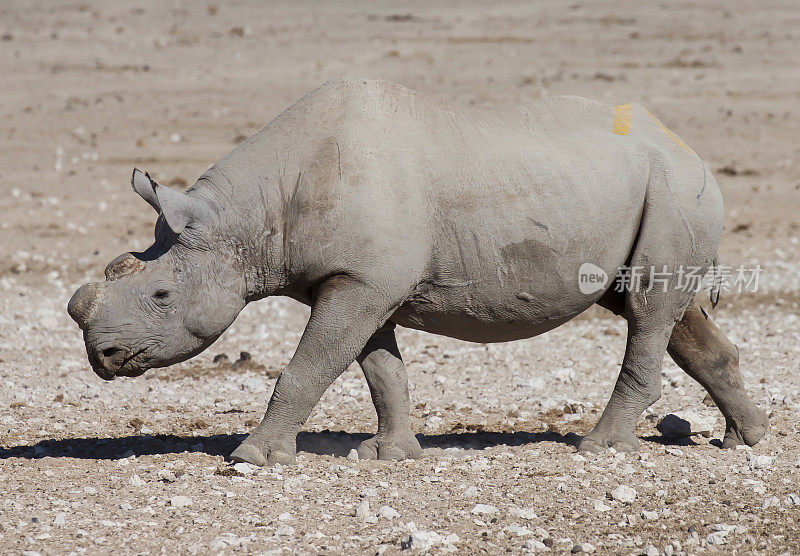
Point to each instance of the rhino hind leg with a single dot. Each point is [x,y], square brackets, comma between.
[706,354]
[639,383]
[388,385]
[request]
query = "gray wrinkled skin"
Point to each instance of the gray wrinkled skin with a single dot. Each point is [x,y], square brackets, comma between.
[378,206]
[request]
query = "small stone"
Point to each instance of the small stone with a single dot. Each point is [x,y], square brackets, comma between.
[285,516]
[362,510]
[244,468]
[792,500]
[60,519]
[601,506]
[387,512]
[532,544]
[167,476]
[684,424]
[587,547]
[353,455]
[470,492]
[89,490]
[525,513]
[771,502]
[284,530]
[649,515]
[760,463]
[624,494]
[136,481]
[439,379]
[717,537]
[180,501]
[650,550]
[484,509]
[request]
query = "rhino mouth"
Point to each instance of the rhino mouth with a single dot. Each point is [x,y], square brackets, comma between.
[110,362]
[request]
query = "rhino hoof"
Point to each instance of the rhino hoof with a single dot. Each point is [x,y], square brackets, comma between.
[737,434]
[390,448]
[249,453]
[596,444]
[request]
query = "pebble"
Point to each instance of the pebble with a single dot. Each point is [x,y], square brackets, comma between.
[601,506]
[771,502]
[136,481]
[649,515]
[284,530]
[484,509]
[624,494]
[362,510]
[89,490]
[244,468]
[353,455]
[651,550]
[470,492]
[533,544]
[167,476]
[686,423]
[524,513]
[759,463]
[180,501]
[717,537]
[60,519]
[387,512]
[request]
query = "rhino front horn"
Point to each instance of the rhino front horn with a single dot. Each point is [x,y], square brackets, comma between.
[82,305]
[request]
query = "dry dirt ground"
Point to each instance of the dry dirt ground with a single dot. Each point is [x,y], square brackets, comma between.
[90,89]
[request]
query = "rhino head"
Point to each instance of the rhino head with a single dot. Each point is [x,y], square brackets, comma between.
[168,303]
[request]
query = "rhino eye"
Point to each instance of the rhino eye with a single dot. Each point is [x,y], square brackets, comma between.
[161,294]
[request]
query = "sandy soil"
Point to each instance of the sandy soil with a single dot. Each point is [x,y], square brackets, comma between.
[91,89]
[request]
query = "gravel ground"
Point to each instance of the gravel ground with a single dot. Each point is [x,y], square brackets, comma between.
[138,465]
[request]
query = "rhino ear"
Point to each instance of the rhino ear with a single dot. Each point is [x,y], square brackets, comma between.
[146,188]
[179,209]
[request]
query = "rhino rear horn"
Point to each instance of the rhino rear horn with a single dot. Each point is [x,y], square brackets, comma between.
[179,209]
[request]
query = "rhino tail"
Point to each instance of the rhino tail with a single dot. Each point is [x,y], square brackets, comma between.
[716,283]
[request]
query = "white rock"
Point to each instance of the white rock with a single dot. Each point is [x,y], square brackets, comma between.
[601,506]
[649,515]
[89,490]
[792,500]
[650,550]
[387,512]
[244,468]
[180,501]
[136,481]
[484,509]
[717,537]
[470,492]
[587,547]
[771,502]
[167,475]
[284,530]
[285,516]
[60,519]
[524,513]
[353,455]
[532,544]
[624,493]
[362,510]
[759,463]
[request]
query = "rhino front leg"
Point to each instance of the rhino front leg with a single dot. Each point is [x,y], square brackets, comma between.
[388,384]
[344,314]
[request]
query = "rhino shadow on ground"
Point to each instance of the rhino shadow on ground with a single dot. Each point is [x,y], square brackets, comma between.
[332,443]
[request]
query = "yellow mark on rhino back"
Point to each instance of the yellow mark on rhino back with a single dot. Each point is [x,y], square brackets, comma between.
[671,135]
[622,119]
